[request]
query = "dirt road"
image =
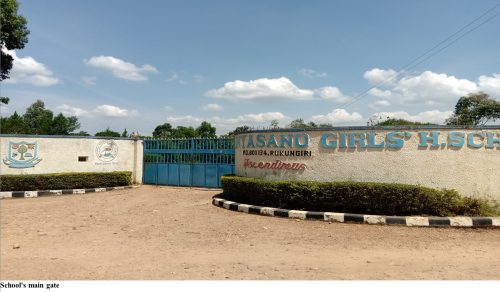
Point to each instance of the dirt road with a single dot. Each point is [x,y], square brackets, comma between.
[167,233]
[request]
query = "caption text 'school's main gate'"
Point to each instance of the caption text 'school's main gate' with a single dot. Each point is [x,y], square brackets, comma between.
[188,162]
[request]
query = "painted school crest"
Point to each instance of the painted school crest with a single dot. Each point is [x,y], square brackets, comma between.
[106,150]
[22,154]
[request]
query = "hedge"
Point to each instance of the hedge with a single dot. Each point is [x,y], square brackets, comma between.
[353,197]
[60,181]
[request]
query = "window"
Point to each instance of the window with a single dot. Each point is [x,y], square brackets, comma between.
[82,158]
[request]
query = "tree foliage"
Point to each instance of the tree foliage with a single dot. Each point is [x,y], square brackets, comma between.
[205,130]
[39,121]
[378,120]
[475,109]
[14,35]
[238,130]
[299,123]
[107,133]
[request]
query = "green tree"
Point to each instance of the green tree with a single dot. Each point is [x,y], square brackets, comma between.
[274,124]
[124,134]
[41,121]
[62,125]
[14,124]
[14,35]
[22,149]
[205,130]
[107,133]
[184,132]
[238,130]
[163,131]
[299,123]
[81,133]
[475,109]
[378,120]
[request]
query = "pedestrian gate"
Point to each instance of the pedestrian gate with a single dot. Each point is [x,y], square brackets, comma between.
[187,162]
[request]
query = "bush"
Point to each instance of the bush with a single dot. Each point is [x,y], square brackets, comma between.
[60,181]
[352,197]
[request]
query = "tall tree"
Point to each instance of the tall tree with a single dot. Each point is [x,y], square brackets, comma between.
[14,124]
[475,109]
[124,134]
[205,130]
[163,131]
[14,35]
[184,132]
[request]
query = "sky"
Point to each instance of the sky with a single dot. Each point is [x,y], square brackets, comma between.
[139,64]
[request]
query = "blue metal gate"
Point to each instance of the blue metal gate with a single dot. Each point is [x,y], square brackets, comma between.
[187,162]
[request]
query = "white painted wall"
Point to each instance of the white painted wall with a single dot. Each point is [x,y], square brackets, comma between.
[60,155]
[473,171]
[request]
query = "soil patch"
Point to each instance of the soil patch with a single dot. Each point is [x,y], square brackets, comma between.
[175,233]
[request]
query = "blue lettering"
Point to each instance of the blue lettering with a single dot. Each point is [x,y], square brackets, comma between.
[360,140]
[457,136]
[324,140]
[491,140]
[272,141]
[261,140]
[434,139]
[399,142]
[288,141]
[371,141]
[250,141]
[297,140]
[242,138]
[343,140]
[470,139]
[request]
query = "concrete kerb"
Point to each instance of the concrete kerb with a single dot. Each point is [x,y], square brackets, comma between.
[34,194]
[358,218]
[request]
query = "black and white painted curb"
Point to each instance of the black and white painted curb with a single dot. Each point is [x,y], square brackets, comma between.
[33,194]
[370,219]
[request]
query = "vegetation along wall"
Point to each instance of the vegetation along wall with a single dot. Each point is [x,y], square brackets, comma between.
[31,154]
[464,158]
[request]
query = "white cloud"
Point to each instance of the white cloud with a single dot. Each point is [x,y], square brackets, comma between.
[168,108]
[429,88]
[114,111]
[183,82]
[376,76]
[174,77]
[89,80]
[331,94]
[199,78]
[490,85]
[261,91]
[225,125]
[378,104]
[338,116]
[433,116]
[28,70]
[212,107]
[121,69]
[72,111]
[310,73]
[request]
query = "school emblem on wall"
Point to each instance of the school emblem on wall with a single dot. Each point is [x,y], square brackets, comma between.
[106,150]
[22,154]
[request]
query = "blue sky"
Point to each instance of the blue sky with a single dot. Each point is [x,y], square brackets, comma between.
[136,65]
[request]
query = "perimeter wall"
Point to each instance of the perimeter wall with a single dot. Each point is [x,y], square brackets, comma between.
[64,154]
[466,159]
